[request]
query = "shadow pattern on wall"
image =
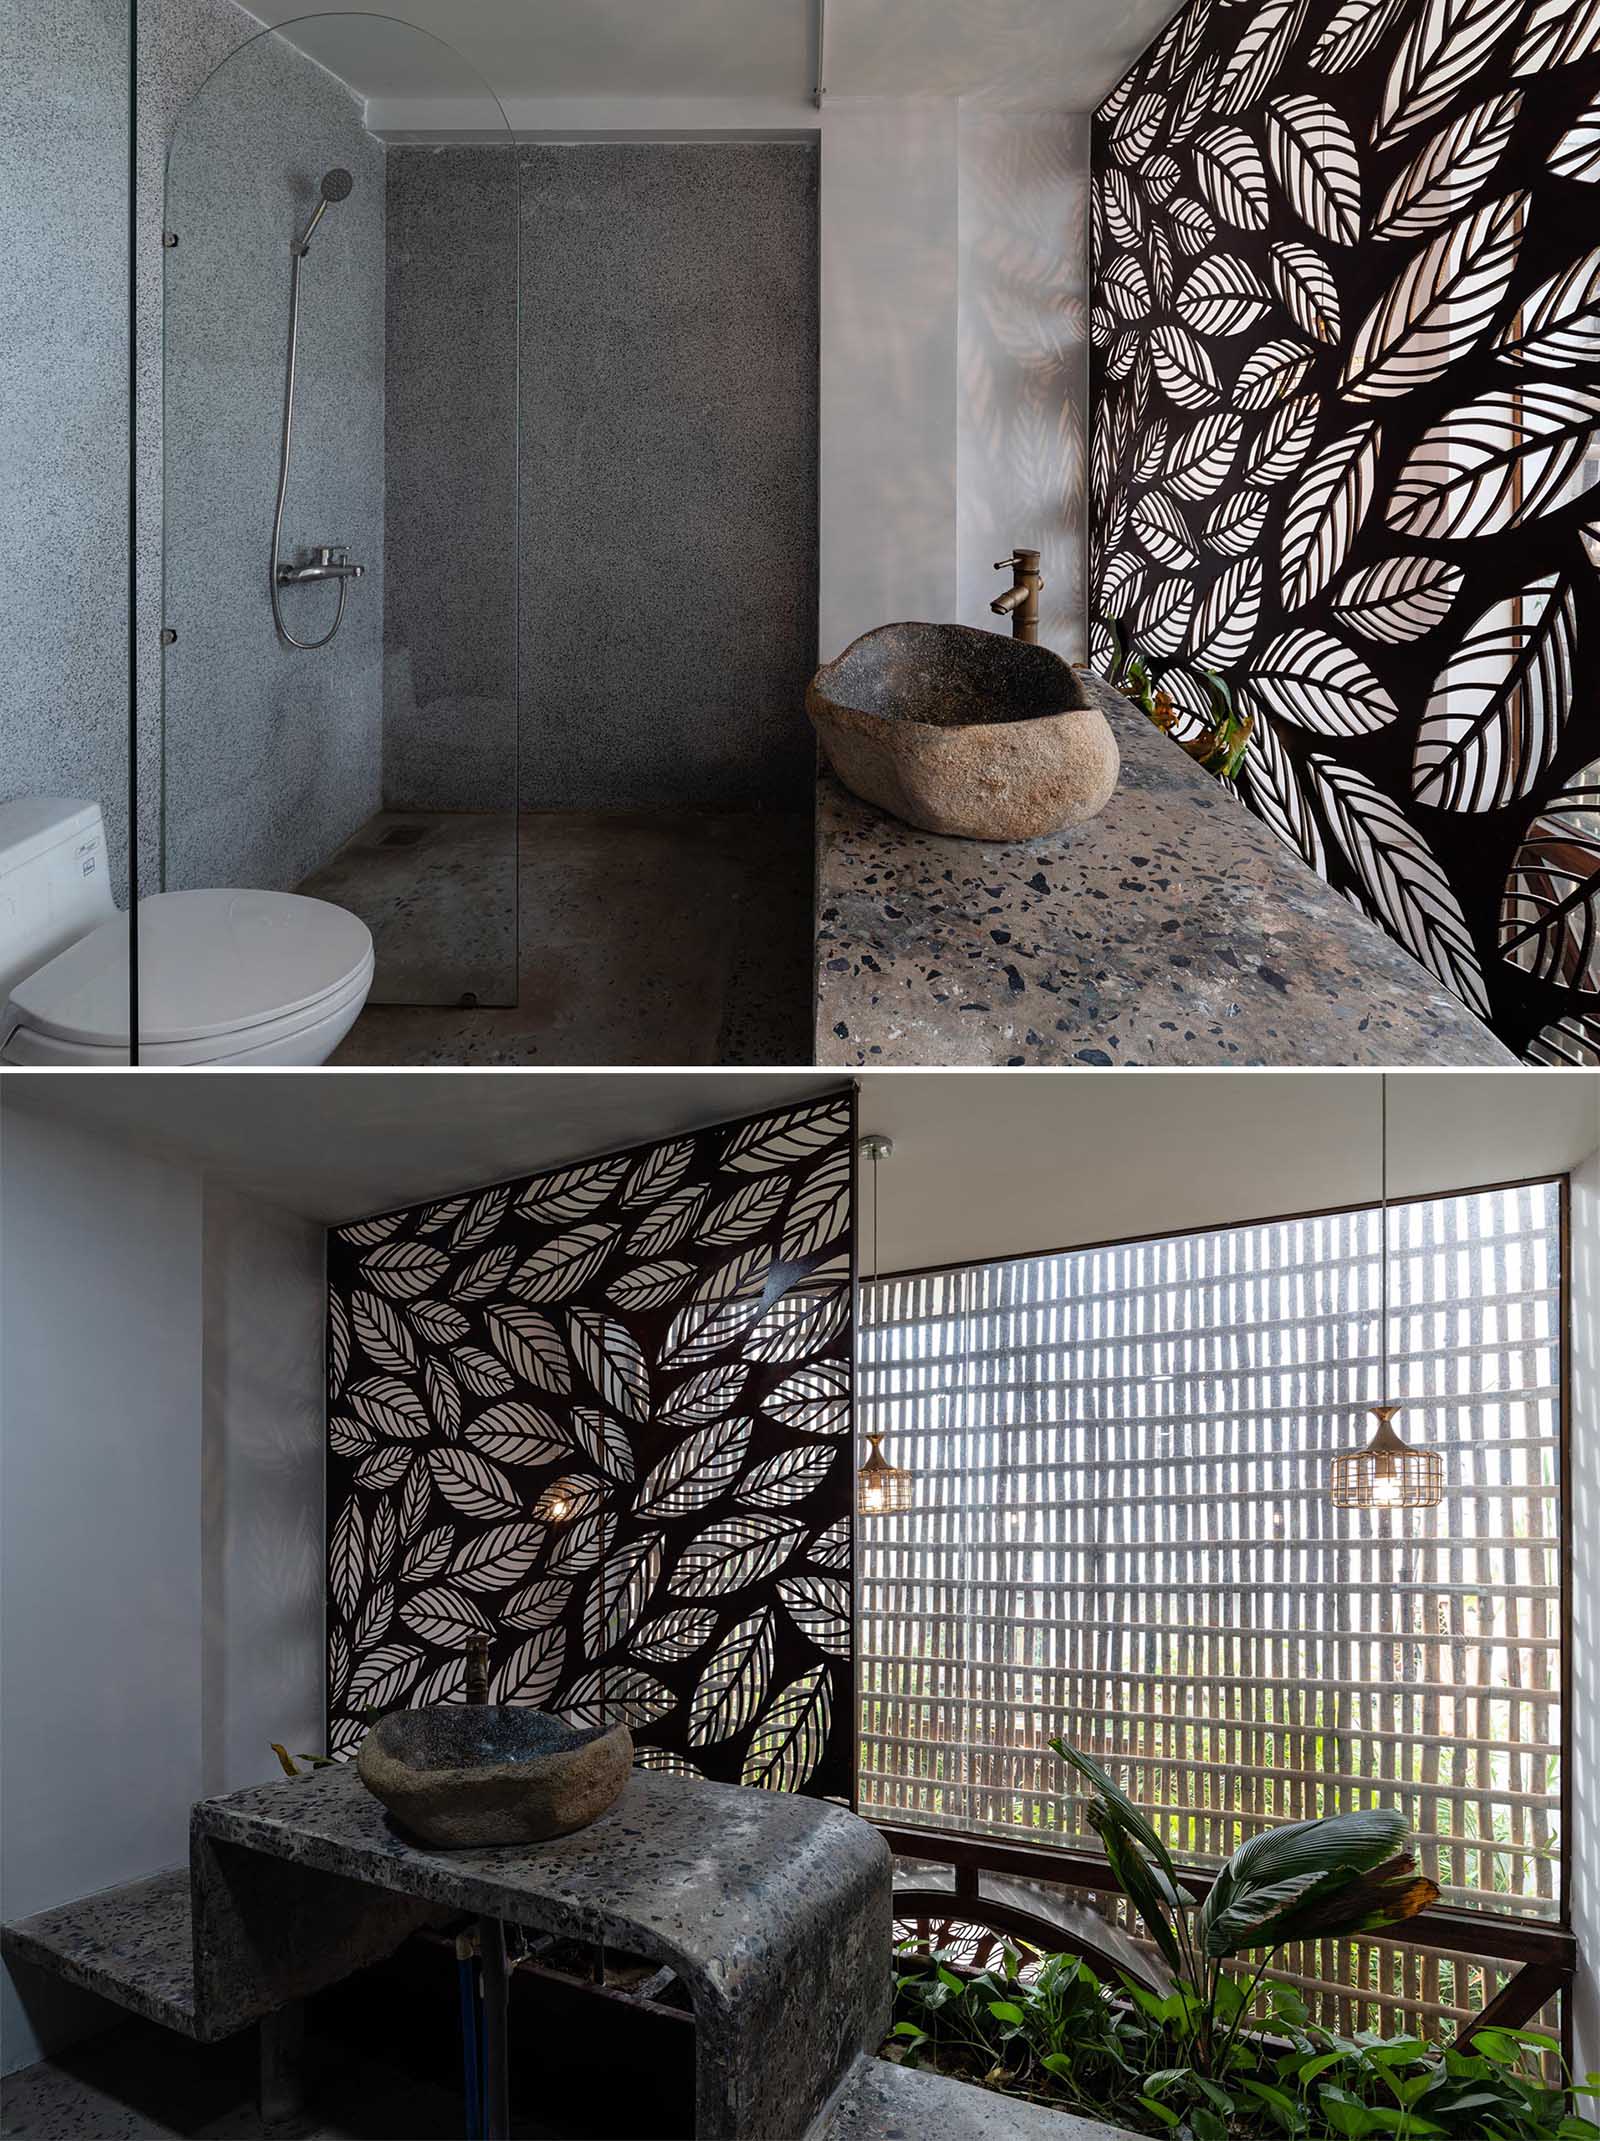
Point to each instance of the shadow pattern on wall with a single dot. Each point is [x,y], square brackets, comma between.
[1345,448]
[602,1416]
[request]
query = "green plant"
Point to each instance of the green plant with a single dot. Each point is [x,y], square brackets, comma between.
[1225,733]
[1059,2036]
[288,1761]
[1179,2051]
[1303,1880]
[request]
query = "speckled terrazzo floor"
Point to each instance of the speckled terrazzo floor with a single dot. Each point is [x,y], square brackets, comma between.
[140,2080]
[1174,928]
[646,937]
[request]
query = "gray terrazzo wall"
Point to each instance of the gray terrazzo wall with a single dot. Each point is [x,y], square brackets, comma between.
[450,443]
[668,472]
[63,388]
[272,756]
[64,711]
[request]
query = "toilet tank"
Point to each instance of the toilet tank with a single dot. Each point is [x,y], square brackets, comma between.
[55,883]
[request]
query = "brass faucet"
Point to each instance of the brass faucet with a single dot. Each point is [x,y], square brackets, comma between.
[477,1668]
[1020,602]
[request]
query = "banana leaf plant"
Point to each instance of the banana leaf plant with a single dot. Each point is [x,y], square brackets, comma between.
[1304,1880]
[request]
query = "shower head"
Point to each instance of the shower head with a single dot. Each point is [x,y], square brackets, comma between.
[336,186]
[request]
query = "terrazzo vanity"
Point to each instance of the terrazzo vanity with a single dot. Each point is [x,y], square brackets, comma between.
[1174,928]
[774,1910]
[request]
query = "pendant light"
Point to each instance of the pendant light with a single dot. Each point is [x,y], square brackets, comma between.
[882,1490]
[1388,1473]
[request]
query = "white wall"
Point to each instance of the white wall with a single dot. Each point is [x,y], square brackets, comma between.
[263,1414]
[888,386]
[1584,1488]
[954,262]
[160,1519]
[1022,352]
[99,1520]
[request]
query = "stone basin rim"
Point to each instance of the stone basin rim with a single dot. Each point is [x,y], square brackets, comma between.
[1017,655]
[444,1738]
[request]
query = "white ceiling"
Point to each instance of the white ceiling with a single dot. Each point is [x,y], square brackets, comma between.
[1040,54]
[986,1164]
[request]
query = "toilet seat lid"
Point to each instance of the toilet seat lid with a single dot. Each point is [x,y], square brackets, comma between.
[212,962]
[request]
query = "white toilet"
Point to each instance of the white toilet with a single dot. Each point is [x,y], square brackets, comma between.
[224,977]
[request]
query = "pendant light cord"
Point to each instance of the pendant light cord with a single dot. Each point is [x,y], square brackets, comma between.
[1383,1260]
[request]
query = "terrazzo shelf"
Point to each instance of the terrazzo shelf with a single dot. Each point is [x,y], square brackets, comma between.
[1173,928]
[774,1911]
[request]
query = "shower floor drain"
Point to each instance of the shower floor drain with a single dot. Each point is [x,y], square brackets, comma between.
[404,835]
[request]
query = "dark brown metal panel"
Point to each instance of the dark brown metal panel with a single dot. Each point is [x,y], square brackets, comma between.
[1342,450]
[602,1416]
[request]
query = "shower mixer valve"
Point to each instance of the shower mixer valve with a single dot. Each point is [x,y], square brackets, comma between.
[325,563]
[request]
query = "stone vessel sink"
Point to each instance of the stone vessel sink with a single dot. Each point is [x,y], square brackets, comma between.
[960,731]
[469,1773]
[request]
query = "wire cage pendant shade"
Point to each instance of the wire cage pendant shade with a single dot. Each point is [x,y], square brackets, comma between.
[882,1489]
[1388,1473]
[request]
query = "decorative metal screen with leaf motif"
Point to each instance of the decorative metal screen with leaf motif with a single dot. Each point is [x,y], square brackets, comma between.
[602,1416]
[1345,449]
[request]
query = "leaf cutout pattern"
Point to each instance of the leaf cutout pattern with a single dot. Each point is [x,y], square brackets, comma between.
[1232,177]
[733,1554]
[696,1472]
[1408,182]
[1447,171]
[404,1269]
[1497,462]
[1557,326]
[560,1268]
[1447,43]
[1314,158]
[472,1484]
[787,1745]
[1277,796]
[1320,684]
[573,1192]
[1550,912]
[1398,599]
[532,1673]
[1326,512]
[1401,877]
[382,1334]
[820,1605]
[611,1357]
[1495,717]
[791,1476]
[1442,303]
[734,1680]
[619,1592]
[1577,154]
[607,1458]
[1306,289]
[530,1345]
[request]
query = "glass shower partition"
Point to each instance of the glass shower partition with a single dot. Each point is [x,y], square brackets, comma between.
[340,641]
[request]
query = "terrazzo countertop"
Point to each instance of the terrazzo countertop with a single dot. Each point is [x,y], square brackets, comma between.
[1173,928]
[775,1911]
